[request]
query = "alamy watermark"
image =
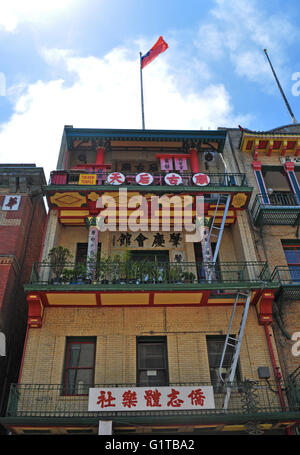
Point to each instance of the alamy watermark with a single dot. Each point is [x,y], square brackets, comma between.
[138,213]
[296,85]
[296,346]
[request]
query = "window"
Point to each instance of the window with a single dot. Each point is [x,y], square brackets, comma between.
[152,363]
[79,365]
[292,255]
[81,252]
[215,345]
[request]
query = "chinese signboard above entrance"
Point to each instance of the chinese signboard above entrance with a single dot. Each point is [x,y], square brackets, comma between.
[151,398]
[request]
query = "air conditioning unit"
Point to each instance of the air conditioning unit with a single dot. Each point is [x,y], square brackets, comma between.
[210,156]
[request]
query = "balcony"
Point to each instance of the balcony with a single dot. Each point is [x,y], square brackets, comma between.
[254,401]
[289,281]
[109,275]
[276,209]
[221,181]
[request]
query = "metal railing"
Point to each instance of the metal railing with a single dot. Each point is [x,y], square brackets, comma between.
[248,397]
[276,208]
[287,274]
[215,179]
[110,272]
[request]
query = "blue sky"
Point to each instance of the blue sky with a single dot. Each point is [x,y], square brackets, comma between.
[76,62]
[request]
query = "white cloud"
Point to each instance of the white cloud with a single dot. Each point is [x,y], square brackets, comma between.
[13,12]
[105,93]
[238,31]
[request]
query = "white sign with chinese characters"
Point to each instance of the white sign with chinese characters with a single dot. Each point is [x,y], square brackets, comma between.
[11,203]
[151,398]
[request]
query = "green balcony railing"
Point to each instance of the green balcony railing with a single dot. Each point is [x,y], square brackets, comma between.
[276,209]
[288,277]
[247,398]
[106,272]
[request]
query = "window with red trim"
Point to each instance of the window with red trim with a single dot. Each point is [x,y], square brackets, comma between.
[79,365]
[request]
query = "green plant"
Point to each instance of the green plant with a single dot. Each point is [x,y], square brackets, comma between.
[58,257]
[67,275]
[79,272]
[189,277]
[175,274]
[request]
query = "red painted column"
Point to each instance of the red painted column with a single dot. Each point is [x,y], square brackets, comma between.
[194,161]
[100,155]
[275,367]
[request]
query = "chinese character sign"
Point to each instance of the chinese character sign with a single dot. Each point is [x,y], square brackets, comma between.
[180,164]
[151,398]
[116,178]
[144,178]
[201,179]
[173,179]
[166,164]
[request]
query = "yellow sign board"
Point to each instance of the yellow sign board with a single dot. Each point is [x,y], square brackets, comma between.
[87,179]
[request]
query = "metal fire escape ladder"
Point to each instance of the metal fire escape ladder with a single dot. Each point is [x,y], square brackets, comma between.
[207,246]
[234,343]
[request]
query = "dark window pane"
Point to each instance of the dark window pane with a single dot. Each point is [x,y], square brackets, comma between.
[215,346]
[152,362]
[81,355]
[152,356]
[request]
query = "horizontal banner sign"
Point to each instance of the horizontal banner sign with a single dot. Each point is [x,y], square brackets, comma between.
[151,398]
[87,179]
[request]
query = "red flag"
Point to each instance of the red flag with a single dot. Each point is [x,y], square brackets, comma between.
[159,47]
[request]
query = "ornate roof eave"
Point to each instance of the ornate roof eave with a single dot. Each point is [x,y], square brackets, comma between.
[187,136]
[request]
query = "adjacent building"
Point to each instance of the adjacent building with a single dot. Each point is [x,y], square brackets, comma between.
[271,161]
[151,308]
[22,221]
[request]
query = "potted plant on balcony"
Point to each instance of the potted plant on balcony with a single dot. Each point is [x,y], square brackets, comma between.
[79,274]
[175,274]
[57,258]
[67,275]
[188,277]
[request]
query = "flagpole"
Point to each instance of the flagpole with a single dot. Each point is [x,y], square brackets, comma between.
[280,89]
[142,94]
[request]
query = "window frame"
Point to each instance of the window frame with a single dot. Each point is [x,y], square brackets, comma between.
[77,340]
[162,340]
[216,382]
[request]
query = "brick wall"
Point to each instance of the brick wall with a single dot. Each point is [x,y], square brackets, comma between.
[116,331]
[21,235]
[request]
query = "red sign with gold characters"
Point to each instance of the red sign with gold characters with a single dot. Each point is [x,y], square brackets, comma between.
[151,398]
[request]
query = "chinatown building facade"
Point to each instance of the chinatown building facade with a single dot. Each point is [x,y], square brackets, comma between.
[151,309]
[271,161]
